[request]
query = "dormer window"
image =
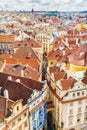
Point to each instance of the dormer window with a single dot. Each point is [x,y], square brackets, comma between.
[25,44]
[51,63]
[19,44]
[57,56]
[17,108]
[32,44]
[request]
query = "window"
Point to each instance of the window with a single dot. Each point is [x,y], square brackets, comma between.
[13,124]
[70,121]
[82,92]
[51,63]
[85,117]
[0,107]
[17,108]
[80,102]
[71,104]
[25,114]
[78,94]
[33,44]
[86,108]
[25,124]
[33,115]
[78,120]
[73,94]
[19,119]
[19,44]
[79,109]
[56,56]
[26,44]
[71,112]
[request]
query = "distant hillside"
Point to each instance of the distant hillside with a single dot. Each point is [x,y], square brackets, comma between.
[84,12]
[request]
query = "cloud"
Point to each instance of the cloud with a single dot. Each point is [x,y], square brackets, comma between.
[60,5]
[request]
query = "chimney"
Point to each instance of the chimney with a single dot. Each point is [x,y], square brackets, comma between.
[63,52]
[6,94]
[18,80]
[9,77]
[67,44]
[22,73]
[76,40]
[68,76]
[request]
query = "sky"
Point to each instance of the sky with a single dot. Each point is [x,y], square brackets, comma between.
[44,5]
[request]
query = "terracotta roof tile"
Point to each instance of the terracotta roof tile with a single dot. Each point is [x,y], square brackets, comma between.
[28,42]
[59,75]
[26,53]
[54,69]
[17,91]
[31,62]
[7,38]
[26,81]
[79,57]
[54,54]
[19,70]
[67,84]
[1,64]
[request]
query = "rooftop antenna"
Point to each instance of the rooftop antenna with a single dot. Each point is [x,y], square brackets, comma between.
[32,10]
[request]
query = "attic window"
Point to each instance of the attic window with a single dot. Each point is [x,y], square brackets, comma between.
[25,114]
[51,63]
[0,107]
[56,55]
[25,44]
[32,44]
[19,44]
[17,108]
[15,67]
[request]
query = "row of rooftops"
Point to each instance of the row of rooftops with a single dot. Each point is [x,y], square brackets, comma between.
[21,70]
[70,60]
[64,80]
[18,87]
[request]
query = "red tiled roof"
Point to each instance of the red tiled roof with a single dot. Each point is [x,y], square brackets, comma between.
[54,54]
[59,75]
[54,69]
[20,70]
[31,62]
[17,91]
[26,53]
[28,42]
[26,81]
[67,84]
[7,38]
[79,57]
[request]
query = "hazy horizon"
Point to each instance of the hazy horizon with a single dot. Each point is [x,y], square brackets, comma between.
[44,5]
